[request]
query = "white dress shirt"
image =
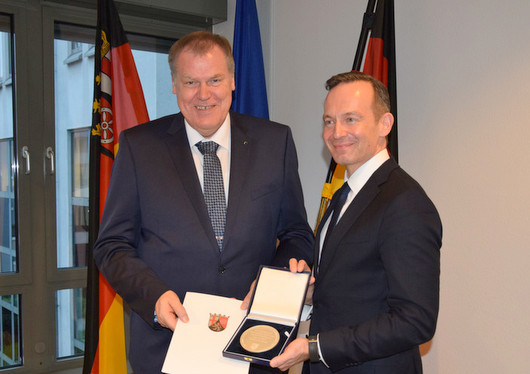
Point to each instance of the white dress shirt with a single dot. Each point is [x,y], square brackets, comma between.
[221,137]
[356,182]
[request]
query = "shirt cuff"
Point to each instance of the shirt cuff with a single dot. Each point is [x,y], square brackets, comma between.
[156,325]
[320,352]
[307,311]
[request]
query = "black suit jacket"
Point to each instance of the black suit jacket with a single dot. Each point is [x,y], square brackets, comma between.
[155,233]
[376,292]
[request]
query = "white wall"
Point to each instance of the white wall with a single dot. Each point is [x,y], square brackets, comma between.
[463,72]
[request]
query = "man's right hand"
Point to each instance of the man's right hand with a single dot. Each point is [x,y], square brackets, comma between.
[169,310]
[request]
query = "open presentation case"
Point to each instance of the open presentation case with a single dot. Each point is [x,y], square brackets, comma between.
[272,318]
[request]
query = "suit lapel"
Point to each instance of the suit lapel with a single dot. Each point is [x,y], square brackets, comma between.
[179,150]
[325,217]
[239,170]
[364,198]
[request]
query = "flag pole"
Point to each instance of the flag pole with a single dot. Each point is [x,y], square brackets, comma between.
[368,21]
[326,193]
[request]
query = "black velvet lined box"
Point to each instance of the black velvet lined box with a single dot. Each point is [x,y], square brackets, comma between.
[277,302]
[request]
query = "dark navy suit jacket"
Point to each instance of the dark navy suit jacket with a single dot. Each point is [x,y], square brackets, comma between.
[376,292]
[155,234]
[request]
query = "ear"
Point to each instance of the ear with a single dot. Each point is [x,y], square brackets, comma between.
[233,82]
[173,84]
[386,121]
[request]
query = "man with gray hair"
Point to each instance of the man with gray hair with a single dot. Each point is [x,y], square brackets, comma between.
[197,201]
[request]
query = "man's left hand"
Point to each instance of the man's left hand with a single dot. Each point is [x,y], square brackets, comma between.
[246,301]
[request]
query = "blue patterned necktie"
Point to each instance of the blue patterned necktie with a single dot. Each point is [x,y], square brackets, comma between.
[213,186]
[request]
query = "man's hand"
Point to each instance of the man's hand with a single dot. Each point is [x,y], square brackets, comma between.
[246,301]
[297,351]
[169,310]
[297,267]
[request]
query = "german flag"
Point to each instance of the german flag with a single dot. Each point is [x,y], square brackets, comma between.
[118,104]
[379,62]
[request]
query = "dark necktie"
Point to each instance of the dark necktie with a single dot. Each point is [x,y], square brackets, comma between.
[214,193]
[337,203]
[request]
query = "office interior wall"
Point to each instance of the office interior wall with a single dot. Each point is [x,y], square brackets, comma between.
[463,81]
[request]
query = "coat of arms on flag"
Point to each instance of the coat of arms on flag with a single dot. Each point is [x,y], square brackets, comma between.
[217,322]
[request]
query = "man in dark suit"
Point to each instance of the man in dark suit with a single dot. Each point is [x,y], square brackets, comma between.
[156,239]
[375,296]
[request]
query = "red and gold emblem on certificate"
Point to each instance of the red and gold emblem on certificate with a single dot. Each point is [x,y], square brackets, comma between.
[217,322]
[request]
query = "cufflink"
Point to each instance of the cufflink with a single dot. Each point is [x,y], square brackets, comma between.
[313,348]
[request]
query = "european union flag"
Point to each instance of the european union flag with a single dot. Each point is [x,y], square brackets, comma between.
[250,96]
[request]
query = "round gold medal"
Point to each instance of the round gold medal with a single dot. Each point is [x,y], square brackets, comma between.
[259,338]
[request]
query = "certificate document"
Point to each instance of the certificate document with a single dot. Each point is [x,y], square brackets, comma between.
[197,346]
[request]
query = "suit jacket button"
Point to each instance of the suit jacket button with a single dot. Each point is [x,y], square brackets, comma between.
[221,269]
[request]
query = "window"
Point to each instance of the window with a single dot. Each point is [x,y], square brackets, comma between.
[5,55]
[8,249]
[73,90]
[75,52]
[8,230]
[79,151]
[74,47]
[10,355]
[10,338]
[45,121]
[70,321]
[72,217]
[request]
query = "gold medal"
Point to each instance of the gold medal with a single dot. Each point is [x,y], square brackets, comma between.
[259,338]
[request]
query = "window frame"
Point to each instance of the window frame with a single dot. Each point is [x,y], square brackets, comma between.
[38,278]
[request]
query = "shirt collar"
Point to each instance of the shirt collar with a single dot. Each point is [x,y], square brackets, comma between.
[221,136]
[359,178]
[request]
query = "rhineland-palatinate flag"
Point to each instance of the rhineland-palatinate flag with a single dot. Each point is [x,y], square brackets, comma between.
[379,62]
[250,96]
[118,104]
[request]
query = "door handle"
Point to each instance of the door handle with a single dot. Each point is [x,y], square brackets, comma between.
[25,154]
[51,156]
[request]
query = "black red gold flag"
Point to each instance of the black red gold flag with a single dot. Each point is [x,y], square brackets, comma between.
[118,104]
[379,62]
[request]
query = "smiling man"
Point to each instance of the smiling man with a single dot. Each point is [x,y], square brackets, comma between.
[203,80]
[377,263]
[197,201]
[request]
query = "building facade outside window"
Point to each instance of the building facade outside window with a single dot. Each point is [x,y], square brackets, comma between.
[74,77]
